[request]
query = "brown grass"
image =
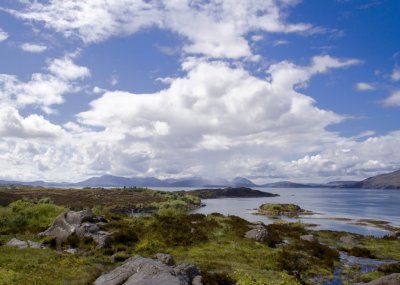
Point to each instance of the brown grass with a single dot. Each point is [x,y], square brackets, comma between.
[80,198]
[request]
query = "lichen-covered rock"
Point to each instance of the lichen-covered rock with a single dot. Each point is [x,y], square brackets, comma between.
[165,258]
[138,270]
[23,244]
[71,250]
[82,224]
[258,233]
[198,280]
[186,273]
[392,279]
[349,239]
[310,238]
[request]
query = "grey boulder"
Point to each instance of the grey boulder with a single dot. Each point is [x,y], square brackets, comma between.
[82,224]
[349,239]
[258,233]
[23,244]
[138,270]
[165,258]
[310,238]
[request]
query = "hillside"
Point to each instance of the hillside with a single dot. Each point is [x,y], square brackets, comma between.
[382,181]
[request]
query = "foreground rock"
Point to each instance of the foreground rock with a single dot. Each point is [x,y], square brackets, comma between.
[138,270]
[230,192]
[82,224]
[257,233]
[23,244]
[392,279]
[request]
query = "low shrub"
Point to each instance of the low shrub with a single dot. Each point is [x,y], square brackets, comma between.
[360,252]
[390,268]
[126,236]
[20,216]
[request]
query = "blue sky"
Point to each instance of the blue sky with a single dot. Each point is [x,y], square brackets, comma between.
[266,89]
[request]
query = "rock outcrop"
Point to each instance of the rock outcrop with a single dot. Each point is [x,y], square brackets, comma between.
[310,238]
[165,258]
[23,243]
[82,224]
[138,270]
[349,239]
[258,233]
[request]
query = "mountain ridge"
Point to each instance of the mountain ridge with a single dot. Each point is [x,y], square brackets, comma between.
[383,181]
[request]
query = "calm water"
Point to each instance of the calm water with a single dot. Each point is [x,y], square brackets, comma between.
[328,203]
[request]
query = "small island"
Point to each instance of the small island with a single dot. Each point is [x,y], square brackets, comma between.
[290,210]
[230,192]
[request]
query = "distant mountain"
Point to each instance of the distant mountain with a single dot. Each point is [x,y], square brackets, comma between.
[386,181]
[286,184]
[116,181]
[382,181]
[30,183]
[242,182]
[341,183]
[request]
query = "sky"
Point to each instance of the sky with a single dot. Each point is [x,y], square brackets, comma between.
[270,90]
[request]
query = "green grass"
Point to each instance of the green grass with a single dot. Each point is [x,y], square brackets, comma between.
[383,248]
[25,216]
[45,266]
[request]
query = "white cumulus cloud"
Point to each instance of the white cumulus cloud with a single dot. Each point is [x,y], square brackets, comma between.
[3,35]
[395,76]
[219,118]
[12,124]
[33,48]
[393,100]
[43,89]
[364,86]
[212,28]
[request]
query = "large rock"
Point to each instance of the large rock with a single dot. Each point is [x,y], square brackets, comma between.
[310,238]
[165,258]
[349,239]
[23,244]
[138,270]
[392,279]
[186,273]
[258,233]
[82,224]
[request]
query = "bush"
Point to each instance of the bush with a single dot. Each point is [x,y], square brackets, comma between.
[28,216]
[360,252]
[390,268]
[214,278]
[302,257]
[73,241]
[126,236]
